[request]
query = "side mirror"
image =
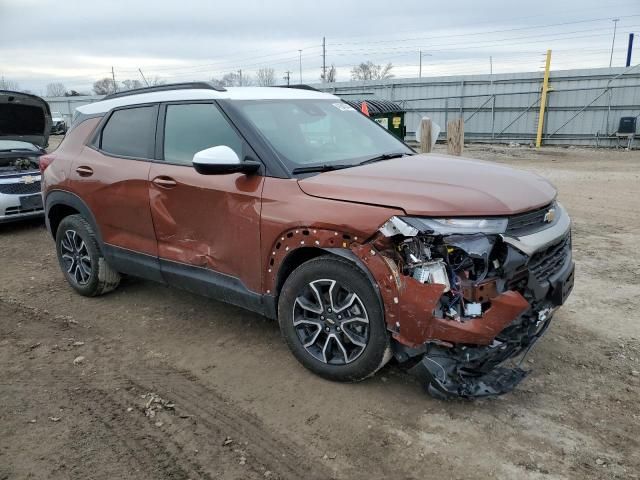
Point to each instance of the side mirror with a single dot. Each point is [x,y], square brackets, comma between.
[221,160]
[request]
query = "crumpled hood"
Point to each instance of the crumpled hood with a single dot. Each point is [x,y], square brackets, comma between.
[436,185]
[24,117]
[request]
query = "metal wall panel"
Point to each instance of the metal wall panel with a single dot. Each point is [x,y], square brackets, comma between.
[67,105]
[505,108]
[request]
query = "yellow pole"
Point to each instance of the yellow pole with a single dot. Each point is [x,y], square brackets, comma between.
[543,100]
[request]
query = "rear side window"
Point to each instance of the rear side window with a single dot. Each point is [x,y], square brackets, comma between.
[130,132]
[190,128]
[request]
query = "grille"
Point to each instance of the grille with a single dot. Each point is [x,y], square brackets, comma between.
[20,188]
[19,210]
[528,222]
[546,263]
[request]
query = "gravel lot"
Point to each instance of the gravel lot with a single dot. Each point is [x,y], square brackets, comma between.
[153,383]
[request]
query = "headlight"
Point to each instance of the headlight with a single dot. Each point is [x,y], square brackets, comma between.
[449,226]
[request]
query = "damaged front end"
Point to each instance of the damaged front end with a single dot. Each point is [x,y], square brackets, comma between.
[465,295]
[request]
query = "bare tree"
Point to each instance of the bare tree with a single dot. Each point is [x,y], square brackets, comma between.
[266,77]
[371,71]
[233,79]
[131,84]
[8,84]
[104,86]
[331,75]
[56,89]
[153,81]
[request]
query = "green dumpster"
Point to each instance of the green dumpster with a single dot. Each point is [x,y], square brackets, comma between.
[388,114]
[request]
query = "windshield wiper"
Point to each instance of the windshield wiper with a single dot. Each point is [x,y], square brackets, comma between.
[384,156]
[321,168]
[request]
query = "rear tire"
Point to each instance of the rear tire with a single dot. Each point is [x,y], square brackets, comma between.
[332,320]
[81,259]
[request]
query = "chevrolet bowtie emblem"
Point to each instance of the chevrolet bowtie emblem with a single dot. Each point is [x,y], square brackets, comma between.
[28,179]
[550,215]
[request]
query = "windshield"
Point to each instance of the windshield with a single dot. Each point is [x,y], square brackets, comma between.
[319,132]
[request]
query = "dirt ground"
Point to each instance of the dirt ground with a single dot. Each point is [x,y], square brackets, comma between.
[151,382]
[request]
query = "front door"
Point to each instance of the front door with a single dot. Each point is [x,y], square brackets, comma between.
[207,226]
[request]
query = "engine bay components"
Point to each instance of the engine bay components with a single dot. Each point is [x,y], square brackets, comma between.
[432,272]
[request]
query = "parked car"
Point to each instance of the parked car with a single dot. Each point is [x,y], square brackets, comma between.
[292,204]
[24,132]
[58,124]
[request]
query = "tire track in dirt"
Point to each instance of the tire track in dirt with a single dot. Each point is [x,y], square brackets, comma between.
[144,448]
[188,444]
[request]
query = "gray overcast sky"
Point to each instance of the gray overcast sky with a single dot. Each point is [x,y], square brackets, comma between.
[77,42]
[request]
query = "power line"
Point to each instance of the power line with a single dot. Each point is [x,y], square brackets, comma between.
[608,7]
[290,61]
[188,70]
[484,44]
[219,63]
[535,27]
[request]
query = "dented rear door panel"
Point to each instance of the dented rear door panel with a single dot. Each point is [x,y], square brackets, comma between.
[117,193]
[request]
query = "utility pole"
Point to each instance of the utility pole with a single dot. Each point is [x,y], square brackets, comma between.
[493,99]
[324,60]
[420,69]
[287,77]
[629,50]
[142,74]
[240,77]
[615,26]
[300,52]
[113,76]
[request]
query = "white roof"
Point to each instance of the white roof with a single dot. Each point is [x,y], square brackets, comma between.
[231,93]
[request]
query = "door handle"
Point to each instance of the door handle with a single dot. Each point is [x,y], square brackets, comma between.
[84,171]
[164,182]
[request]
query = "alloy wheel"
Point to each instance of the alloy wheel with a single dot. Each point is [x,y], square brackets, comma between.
[76,257]
[331,322]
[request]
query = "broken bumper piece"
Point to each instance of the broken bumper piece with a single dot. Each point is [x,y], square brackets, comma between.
[445,385]
[472,371]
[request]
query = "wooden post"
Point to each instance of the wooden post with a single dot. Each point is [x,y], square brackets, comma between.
[425,135]
[455,137]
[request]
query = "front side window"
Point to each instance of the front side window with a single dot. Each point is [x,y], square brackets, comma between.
[313,132]
[130,132]
[190,128]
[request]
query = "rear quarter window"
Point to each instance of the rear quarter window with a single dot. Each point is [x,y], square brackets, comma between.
[130,132]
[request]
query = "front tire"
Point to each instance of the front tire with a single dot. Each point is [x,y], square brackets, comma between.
[332,320]
[81,259]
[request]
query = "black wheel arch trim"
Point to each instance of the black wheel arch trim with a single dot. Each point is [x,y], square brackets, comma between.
[271,301]
[69,199]
[352,257]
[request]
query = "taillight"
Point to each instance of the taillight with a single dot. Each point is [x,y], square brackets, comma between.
[45,161]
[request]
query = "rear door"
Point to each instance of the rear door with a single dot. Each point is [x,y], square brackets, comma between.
[112,177]
[207,226]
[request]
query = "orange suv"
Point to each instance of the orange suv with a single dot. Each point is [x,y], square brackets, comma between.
[290,203]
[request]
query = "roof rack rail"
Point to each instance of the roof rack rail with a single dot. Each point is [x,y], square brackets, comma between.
[300,86]
[165,87]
